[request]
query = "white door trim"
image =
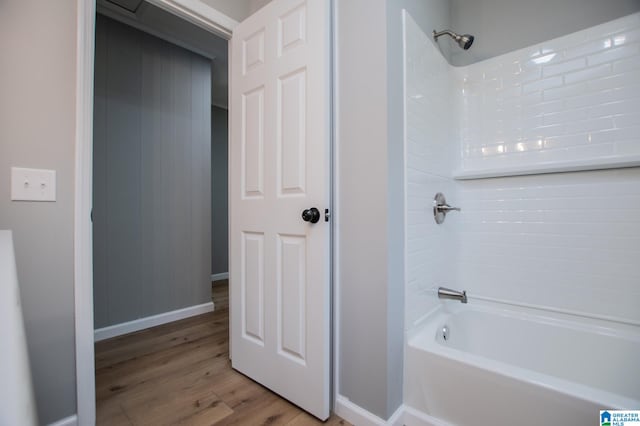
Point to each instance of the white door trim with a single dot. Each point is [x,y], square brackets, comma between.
[199,14]
[335,215]
[83,194]
[193,11]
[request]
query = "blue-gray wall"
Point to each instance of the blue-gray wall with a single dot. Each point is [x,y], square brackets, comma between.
[152,181]
[219,191]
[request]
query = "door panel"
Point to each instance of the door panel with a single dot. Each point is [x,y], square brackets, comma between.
[252,283]
[292,283]
[291,135]
[253,142]
[279,166]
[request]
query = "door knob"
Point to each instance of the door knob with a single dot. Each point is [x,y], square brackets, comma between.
[311,215]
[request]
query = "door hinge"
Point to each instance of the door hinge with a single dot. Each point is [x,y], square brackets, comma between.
[327,215]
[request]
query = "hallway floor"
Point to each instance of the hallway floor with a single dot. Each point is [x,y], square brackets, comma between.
[180,373]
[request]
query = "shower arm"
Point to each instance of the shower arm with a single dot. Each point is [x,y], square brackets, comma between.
[464,40]
[437,34]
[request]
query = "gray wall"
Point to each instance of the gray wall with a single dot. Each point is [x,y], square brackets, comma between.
[255,5]
[162,24]
[219,191]
[37,119]
[501,26]
[236,9]
[152,182]
[362,200]
[370,219]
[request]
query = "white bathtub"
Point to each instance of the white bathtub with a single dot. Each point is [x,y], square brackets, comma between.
[503,365]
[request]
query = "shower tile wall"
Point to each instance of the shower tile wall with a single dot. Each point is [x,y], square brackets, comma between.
[574,98]
[568,240]
[430,152]
[565,240]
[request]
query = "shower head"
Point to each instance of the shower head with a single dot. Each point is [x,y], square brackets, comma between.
[464,41]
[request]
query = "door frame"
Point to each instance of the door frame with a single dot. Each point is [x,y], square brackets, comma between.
[222,25]
[190,10]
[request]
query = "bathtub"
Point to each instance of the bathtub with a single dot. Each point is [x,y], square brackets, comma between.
[502,365]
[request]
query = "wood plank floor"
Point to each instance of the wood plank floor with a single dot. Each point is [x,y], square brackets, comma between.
[180,374]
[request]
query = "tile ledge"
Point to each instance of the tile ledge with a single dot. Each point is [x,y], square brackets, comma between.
[604,163]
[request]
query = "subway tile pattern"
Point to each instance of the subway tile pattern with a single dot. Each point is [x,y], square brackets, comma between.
[568,241]
[430,150]
[569,99]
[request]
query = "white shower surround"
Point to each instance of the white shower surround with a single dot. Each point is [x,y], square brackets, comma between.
[570,103]
[429,160]
[565,241]
[516,366]
[562,242]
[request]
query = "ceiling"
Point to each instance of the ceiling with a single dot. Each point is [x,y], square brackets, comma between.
[151,19]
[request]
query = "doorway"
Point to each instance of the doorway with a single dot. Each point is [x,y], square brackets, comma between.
[287,18]
[159,212]
[152,169]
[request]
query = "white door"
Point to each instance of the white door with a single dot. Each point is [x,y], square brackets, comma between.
[279,167]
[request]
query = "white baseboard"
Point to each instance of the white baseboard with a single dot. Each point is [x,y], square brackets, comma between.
[67,421]
[152,321]
[413,417]
[220,276]
[355,414]
[403,416]
[397,419]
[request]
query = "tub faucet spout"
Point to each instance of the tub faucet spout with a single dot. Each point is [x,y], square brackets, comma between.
[447,293]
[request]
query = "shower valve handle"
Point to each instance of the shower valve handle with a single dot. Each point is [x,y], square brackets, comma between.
[445,208]
[441,208]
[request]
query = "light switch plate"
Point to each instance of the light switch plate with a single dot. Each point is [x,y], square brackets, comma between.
[33,184]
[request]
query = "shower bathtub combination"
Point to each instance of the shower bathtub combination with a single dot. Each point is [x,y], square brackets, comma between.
[498,364]
[540,149]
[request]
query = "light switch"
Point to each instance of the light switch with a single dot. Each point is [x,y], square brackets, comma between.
[33,184]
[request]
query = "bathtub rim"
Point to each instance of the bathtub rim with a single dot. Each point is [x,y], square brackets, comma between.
[423,338]
[610,326]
